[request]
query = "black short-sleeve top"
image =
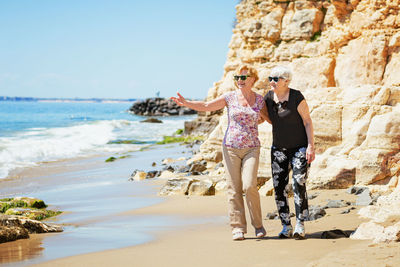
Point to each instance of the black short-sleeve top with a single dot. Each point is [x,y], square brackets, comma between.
[288,129]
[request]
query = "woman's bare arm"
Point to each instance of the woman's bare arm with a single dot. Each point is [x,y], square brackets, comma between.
[264,115]
[304,112]
[213,105]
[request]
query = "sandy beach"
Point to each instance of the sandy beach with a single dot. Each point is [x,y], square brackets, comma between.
[175,230]
[210,244]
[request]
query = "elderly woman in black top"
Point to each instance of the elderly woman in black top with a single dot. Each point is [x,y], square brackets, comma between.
[292,147]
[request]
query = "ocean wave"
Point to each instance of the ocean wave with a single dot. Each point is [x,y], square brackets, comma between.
[37,145]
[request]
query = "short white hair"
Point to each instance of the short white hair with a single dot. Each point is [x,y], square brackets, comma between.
[283,72]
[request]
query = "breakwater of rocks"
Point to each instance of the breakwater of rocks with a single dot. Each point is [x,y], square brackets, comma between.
[159,107]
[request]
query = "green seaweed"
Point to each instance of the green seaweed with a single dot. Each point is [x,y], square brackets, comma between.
[179,139]
[179,131]
[111,159]
[133,141]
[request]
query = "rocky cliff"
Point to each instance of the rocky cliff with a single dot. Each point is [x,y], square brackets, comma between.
[345,57]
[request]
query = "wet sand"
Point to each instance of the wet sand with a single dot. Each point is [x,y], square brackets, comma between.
[93,195]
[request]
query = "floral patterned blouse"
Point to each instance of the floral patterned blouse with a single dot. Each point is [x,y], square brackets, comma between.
[242,130]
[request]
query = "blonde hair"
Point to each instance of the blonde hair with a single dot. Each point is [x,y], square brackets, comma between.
[252,72]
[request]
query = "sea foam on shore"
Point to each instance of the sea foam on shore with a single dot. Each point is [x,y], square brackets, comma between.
[40,132]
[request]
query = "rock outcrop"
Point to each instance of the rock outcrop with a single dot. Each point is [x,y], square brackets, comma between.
[20,216]
[159,107]
[344,56]
[18,227]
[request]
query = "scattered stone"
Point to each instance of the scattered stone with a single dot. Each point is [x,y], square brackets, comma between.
[356,190]
[275,215]
[272,216]
[201,188]
[312,196]
[315,212]
[153,164]
[220,187]
[347,210]
[152,120]
[138,176]
[152,174]
[182,169]
[169,168]
[166,175]
[333,204]
[364,198]
[198,167]
[176,186]
[219,165]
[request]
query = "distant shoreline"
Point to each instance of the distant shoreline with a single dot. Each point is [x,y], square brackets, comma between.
[80,100]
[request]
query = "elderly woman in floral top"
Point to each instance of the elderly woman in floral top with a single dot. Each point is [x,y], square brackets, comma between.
[241,148]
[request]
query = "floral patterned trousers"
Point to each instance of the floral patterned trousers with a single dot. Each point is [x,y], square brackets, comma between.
[282,160]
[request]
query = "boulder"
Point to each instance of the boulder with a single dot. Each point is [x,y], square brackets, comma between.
[138,176]
[220,187]
[364,198]
[17,226]
[177,186]
[202,188]
[315,212]
[152,120]
[377,232]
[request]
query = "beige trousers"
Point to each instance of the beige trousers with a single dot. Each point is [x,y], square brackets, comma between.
[241,166]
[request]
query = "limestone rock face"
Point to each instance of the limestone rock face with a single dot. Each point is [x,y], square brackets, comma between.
[345,57]
[385,219]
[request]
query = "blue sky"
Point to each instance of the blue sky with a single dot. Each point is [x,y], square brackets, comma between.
[113,48]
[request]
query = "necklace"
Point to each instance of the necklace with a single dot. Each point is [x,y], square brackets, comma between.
[282,98]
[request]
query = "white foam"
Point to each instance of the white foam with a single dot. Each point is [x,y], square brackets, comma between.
[40,145]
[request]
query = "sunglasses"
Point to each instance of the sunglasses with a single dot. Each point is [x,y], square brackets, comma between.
[241,77]
[275,79]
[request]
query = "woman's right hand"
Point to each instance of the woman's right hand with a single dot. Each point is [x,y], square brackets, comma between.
[180,100]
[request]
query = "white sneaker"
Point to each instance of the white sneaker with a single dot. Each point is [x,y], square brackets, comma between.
[286,231]
[237,236]
[260,232]
[299,232]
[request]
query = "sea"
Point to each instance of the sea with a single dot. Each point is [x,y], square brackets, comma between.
[35,132]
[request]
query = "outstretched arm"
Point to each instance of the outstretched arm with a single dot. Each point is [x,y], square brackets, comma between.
[213,105]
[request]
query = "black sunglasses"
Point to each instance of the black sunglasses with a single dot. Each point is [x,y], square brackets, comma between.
[275,79]
[241,77]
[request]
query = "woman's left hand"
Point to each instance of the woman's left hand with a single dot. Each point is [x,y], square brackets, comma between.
[310,154]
